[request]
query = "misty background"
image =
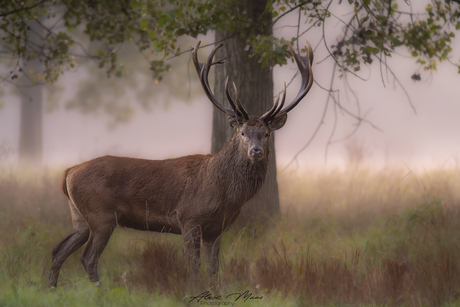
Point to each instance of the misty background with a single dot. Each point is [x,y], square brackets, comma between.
[177,119]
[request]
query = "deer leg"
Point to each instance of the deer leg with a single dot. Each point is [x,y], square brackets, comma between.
[211,249]
[97,241]
[192,238]
[73,241]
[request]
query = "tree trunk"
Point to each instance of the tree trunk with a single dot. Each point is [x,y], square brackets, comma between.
[30,137]
[255,89]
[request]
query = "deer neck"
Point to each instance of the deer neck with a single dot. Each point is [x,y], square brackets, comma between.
[238,175]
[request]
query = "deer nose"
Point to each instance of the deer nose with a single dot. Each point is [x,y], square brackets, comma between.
[256,153]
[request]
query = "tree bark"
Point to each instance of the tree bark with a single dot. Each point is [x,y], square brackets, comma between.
[255,89]
[31,121]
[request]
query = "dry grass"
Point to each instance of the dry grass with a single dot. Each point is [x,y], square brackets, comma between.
[348,238]
[408,259]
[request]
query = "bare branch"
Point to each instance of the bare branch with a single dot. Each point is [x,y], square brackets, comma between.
[319,124]
[331,53]
[288,11]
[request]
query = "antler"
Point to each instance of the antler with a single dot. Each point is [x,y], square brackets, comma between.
[238,112]
[304,63]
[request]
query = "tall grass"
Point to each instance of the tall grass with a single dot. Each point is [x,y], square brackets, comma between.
[347,238]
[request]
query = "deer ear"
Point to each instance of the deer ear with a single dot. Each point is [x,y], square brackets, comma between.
[278,122]
[233,122]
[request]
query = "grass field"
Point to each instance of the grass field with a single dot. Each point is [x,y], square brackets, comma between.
[344,238]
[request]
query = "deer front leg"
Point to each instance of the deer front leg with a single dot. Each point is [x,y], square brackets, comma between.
[211,249]
[192,239]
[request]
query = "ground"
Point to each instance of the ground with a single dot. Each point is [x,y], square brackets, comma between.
[345,237]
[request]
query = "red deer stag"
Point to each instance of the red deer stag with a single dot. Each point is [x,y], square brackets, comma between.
[198,196]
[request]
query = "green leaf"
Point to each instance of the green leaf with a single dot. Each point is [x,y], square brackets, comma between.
[152,34]
[457,26]
[421,61]
[143,25]
[162,20]
[180,32]
[396,42]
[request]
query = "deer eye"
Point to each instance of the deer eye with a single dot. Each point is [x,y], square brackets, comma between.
[267,134]
[242,133]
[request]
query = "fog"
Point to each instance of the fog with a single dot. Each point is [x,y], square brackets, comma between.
[427,137]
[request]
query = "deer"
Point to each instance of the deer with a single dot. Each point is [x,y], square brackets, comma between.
[196,196]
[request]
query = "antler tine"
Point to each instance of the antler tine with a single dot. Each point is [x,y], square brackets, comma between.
[229,98]
[240,106]
[203,72]
[197,64]
[282,101]
[268,116]
[304,63]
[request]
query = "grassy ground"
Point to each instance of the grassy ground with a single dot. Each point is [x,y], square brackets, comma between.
[344,238]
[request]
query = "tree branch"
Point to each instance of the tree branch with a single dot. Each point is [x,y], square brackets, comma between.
[288,11]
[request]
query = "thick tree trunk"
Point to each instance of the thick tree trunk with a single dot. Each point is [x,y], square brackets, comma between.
[30,137]
[255,89]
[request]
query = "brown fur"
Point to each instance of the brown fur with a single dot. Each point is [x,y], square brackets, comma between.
[198,196]
[64,187]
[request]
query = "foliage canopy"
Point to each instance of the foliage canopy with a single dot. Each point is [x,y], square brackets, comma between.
[371,29]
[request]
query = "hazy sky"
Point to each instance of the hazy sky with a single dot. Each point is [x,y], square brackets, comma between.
[429,137]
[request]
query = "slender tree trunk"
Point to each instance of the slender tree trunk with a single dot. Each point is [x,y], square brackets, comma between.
[31,135]
[255,88]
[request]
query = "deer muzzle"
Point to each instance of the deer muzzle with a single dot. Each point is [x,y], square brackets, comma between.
[256,153]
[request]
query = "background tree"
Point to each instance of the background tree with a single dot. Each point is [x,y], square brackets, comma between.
[255,87]
[371,32]
[31,139]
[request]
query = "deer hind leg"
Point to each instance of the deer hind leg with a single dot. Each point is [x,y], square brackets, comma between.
[98,238]
[72,242]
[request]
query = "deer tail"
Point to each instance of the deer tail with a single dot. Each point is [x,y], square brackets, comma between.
[64,183]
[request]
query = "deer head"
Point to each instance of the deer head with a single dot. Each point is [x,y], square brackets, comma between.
[254,132]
